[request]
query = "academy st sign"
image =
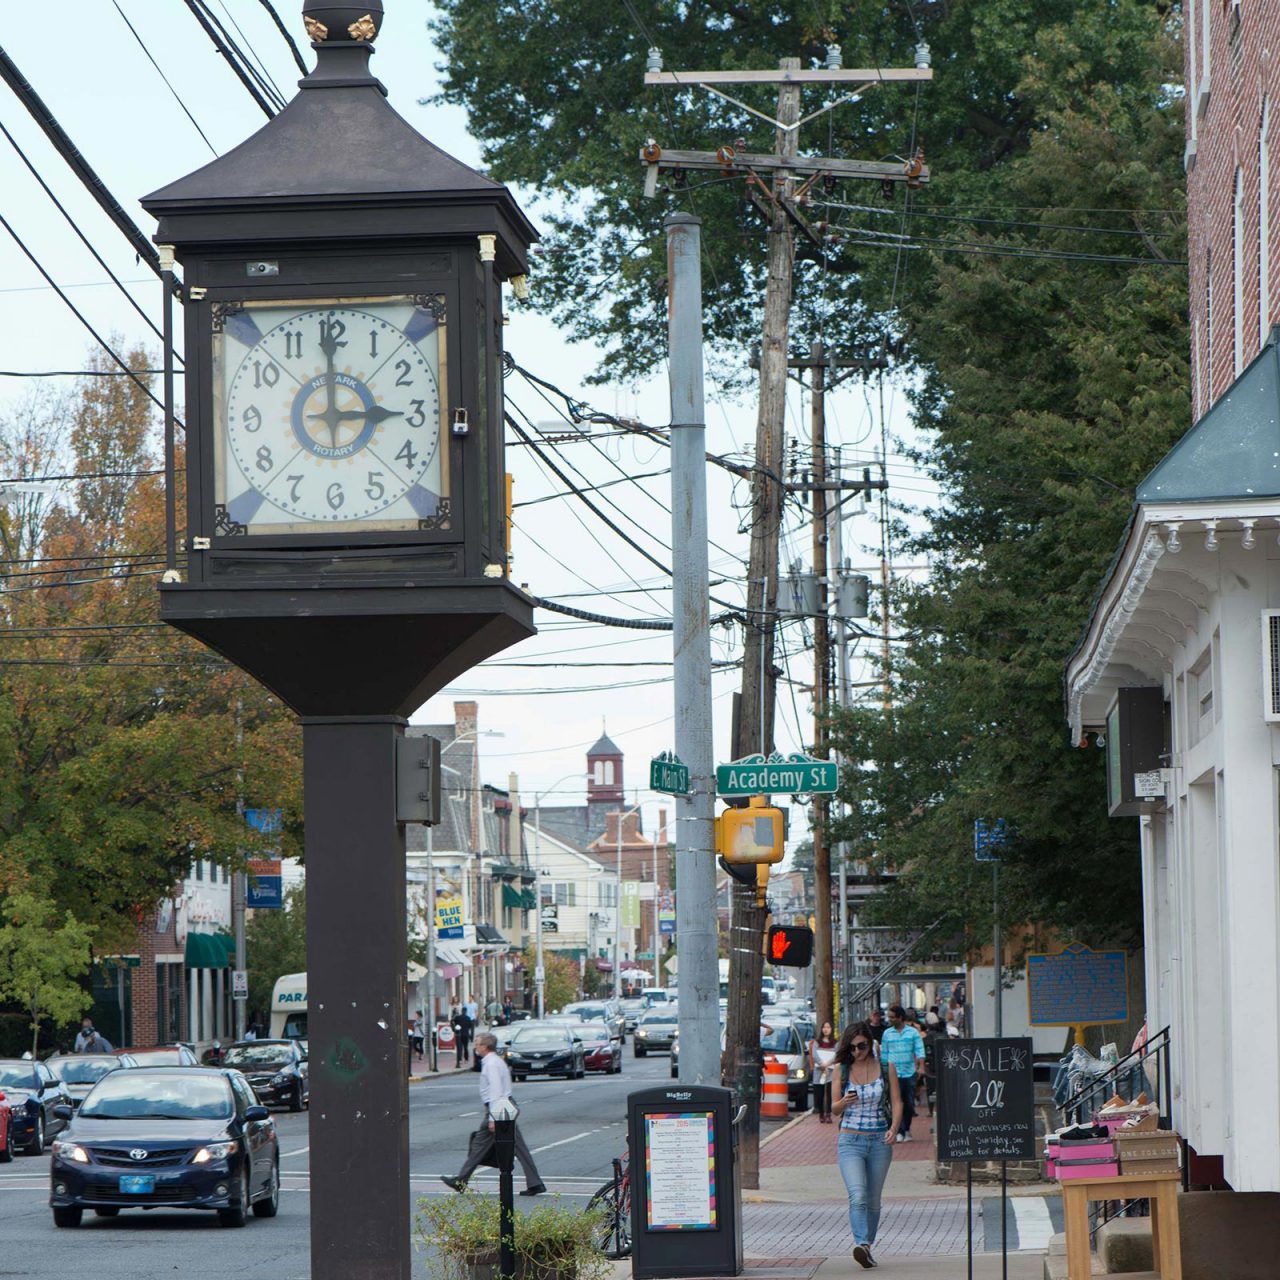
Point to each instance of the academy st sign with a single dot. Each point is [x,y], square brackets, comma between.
[795,774]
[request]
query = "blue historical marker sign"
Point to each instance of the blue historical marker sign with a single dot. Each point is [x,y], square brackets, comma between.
[1077,986]
[987,839]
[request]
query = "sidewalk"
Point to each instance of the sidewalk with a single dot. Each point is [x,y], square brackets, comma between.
[446,1060]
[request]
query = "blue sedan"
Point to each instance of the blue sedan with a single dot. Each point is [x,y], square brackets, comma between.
[35,1096]
[167,1137]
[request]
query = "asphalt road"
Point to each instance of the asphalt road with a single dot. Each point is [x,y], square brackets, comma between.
[573,1127]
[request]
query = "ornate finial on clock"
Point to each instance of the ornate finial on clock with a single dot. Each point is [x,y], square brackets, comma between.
[331,22]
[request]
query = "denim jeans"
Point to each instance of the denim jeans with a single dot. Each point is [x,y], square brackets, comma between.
[864,1160]
[907,1088]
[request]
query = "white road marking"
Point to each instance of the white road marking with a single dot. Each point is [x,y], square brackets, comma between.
[577,1137]
[1035,1226]
[284,1155]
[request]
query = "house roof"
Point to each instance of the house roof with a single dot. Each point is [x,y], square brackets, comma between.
[605,747]
[1234,450]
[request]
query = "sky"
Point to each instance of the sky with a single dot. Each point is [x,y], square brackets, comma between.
[537,721]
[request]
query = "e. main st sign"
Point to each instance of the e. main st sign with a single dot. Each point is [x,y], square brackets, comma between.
[795,774]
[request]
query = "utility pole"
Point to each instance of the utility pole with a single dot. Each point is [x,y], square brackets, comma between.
[755,720]
[822,997]
[691,644]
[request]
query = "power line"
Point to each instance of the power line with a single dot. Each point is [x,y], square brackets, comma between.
[177,97]
[206,22]
[75,226]
[288,38]
[267,80]
[102,342]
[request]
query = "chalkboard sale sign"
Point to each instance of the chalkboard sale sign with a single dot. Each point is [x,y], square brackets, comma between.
[986,1100]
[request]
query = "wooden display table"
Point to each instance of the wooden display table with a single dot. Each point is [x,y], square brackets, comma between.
[1160,1188]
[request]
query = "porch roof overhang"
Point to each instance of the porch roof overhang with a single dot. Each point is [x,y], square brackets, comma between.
[1159,585]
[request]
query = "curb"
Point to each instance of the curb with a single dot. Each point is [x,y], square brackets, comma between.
[791,1124]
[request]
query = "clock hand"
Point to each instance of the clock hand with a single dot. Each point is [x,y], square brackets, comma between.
[329,346]
[375,414]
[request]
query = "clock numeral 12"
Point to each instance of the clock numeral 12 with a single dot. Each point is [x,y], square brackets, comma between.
[332,330]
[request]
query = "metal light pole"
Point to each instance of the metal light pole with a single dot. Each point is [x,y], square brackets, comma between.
[691,651]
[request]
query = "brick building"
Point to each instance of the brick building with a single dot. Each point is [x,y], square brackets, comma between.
[1233,182]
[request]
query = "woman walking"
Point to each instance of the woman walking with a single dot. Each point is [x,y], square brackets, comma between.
[870,1111]
[822,1056]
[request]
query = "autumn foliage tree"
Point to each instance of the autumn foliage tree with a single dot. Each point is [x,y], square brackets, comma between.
[124,746]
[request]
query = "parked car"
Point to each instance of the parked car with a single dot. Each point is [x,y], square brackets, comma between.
[632,1008]
[607,1011]
[783,1042]
[656,1029]
[34,1095]
[540,1050]
[81,1071]
[276,1071]
[160,1055]
[602,1051]
[165,1137]
[6,1131]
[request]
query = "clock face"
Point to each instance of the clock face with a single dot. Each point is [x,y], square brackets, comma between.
[329,416]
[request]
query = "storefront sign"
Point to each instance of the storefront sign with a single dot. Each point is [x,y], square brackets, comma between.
[680,1171]
[449,922]
[986,1100]
[1077,986]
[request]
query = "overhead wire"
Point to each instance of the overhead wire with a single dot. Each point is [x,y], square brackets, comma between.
[285,32]
[142,44]
[267,78]
[198,12]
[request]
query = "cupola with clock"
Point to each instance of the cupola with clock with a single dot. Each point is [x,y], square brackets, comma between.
[344,460]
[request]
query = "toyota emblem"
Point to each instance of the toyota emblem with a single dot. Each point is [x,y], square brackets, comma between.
[138,1153]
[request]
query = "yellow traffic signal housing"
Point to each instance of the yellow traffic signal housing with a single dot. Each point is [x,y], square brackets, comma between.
[750,836]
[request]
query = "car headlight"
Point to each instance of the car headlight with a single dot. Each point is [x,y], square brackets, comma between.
[798,1073]
[640,1031]
[215,1151]
[279,1078]
[71,1151]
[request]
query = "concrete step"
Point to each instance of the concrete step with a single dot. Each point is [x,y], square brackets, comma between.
[1124,1245]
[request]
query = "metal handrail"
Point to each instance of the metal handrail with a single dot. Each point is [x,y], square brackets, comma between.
[1157,1046]
[893,966]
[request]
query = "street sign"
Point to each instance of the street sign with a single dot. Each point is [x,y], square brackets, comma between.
[987,839]
[794,774]
[668,775]
[264,886]
[239,984]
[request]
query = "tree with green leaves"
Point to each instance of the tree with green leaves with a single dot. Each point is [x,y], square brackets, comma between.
[44,960]
[1034,289]
[276,944]
[562,978]
[124,746]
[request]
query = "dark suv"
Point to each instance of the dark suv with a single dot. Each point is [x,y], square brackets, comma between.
[277,1070]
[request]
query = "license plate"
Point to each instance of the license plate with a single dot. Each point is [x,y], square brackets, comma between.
[137,1184]
[537,1066]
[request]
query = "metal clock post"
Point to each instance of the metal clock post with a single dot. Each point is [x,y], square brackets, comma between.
[345,533]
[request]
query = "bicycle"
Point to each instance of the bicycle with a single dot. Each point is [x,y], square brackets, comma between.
[613,1238]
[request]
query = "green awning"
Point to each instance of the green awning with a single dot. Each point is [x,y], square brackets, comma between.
[210,951]
[530,902]
[512,897]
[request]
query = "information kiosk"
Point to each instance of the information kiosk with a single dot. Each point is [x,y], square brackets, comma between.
[686,1219]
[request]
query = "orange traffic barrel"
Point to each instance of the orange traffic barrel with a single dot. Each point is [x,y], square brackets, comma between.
[773,1103]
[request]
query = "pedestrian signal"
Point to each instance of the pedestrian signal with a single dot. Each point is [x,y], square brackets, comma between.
[751,835]
[790,945]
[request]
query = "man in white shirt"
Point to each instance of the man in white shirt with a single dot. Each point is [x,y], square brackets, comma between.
[495,1087]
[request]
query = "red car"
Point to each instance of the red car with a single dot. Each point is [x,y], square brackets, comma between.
[602,1052]
[6,1147]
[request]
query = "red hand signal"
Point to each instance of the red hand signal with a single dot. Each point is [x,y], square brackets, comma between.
[781,944]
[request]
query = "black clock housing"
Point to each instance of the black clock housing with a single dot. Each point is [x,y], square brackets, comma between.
[338,202]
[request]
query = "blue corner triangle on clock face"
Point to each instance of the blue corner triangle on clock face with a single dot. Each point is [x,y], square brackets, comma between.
[243,508]
[423,501]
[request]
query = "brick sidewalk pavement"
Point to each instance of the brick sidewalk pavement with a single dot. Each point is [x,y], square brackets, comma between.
[808,1142]
[919,1227]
